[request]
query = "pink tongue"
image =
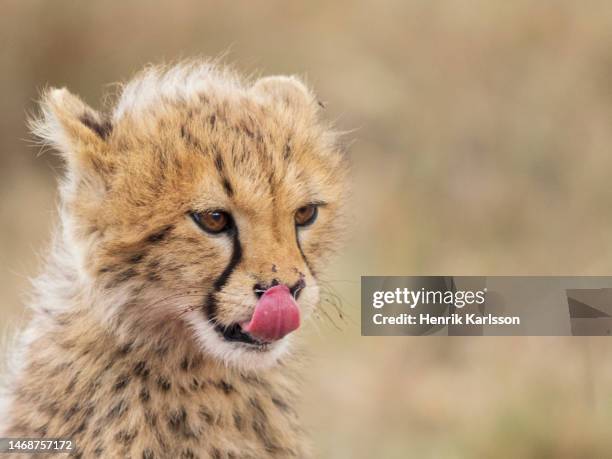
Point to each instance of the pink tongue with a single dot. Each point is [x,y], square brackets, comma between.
[276,314]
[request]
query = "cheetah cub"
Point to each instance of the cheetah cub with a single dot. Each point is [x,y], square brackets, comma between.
[194,219]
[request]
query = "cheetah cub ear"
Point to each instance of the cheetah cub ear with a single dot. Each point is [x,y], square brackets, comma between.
[289,93]
[75,130]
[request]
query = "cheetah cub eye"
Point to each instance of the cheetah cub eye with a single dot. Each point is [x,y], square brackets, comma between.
[306,215]
[213,221]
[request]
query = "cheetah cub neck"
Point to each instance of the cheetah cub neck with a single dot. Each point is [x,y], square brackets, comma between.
[194,219]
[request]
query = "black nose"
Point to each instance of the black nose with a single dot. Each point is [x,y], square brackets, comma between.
[259,289]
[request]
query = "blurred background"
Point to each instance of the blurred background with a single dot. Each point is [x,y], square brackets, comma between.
[482,145]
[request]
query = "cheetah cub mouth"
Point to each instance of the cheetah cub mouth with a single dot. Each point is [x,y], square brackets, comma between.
[276,315]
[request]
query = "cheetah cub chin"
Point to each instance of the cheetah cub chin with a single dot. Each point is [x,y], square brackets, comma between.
[194,219]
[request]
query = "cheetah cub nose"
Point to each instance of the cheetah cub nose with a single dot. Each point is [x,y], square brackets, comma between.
[276,315]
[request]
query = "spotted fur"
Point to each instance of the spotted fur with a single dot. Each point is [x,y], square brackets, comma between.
[124,353]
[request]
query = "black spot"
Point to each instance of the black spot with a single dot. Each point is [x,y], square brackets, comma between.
[79,429]
[242,127]
[150,418]
[281,404]
[71,385]
[256,381]
[287,152]
[260,429]
[86,349]
[227,186]
[148,454]
[162,350]
[163,383]
[118,410]
[188,454]
[126,437]
[177,419]
[98,451]
[174,267]
[74,409]
[107,269]
[136,258]
[121,383]
[122,277]
[212,120]
[153,265]
[206,415]
[42,430]
[219,163]
[189,138]
[272,184]
[259,424]
[141,370]
[64,319]
[259,411]
[89,410]
[238,421]
[51,408]
[185,364]
[226,387]
[91,229]
[102,128]
[195,384]
[159,235]
[125,349]
[100,166]
[145,396]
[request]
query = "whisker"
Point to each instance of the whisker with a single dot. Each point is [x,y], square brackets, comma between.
[330,319]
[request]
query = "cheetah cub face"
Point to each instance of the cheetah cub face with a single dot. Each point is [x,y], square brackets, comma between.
[201,208]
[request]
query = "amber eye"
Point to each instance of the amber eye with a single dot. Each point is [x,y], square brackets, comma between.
[214,221]
[306,215]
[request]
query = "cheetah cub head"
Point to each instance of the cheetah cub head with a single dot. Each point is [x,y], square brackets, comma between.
[202,207]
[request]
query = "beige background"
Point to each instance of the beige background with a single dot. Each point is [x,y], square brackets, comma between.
[483,136]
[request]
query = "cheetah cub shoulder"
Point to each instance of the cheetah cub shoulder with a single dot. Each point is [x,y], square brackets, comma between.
[194,219]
